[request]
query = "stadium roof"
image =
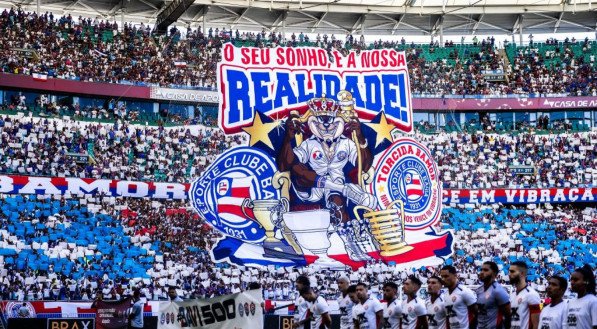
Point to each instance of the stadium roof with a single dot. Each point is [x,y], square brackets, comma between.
[379,17]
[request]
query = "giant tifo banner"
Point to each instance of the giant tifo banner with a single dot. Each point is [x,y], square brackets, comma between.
[239,311]
[326,177]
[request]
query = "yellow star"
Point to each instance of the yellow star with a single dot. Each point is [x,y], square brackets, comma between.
[383,129]
[259,131]
[381,189]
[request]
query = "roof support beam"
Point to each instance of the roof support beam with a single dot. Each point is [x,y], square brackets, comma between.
[565,21]
[476,26]
[200,14]
[149,4]
[395,21]
[373,27]
[437,25]
[359,23]
[279,20]
[91,8]
[239,16]
[539,24]
[517,24]
[318,20]
[456,26]
[114,9]
[299,23]
[495,26]
[555,29]
[74,3]
[400,21]
[481,22]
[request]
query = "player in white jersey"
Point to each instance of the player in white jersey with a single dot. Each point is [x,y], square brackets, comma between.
[524,300]
[553,316]
[492,299]
[582,311]
[436,311]
[344,303]
[414,313]
[393,311]
[301,306]
[460,302]
[367,313]
[319,309]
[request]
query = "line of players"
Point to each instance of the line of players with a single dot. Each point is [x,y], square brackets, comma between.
[457,307]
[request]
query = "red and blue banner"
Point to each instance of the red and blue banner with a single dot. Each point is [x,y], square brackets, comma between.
[232,191]
[520,196]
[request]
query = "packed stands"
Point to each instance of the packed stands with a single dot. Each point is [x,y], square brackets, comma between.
[41,146]
[101,51]
[72,248]
[132,152]
[566,67]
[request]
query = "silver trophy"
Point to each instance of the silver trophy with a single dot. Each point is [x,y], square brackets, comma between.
[310,228]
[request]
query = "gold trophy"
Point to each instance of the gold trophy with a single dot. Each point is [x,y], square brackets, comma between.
[268,213]
[387,227]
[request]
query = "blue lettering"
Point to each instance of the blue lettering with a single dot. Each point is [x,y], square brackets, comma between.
[302,95]
[390,94]
[262,103]
[238,91]
[283,89]
[373,85]
[352,85]
[332,85]
[318,85]
[402,88]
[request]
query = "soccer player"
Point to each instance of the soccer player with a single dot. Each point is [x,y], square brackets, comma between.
[460,302]
[319,309]
[345,304]
[553,316]
[492,299]
[524,301]
[393,311]
[300,305]
[436,310]
[367,313]
[414,313]
[582,311]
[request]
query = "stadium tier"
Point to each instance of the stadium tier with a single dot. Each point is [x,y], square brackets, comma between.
[83,49]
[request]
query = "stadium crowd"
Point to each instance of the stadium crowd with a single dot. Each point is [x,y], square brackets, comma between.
[42,146]
[96,50]
[73,248]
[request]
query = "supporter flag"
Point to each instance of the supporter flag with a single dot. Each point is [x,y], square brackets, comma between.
[180,64]
[40,77]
